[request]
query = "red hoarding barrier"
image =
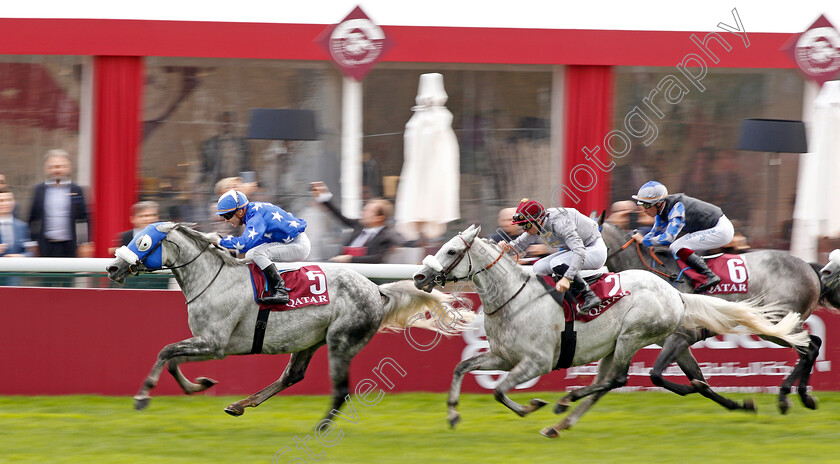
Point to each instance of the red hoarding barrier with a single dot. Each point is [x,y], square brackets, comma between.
[104,341]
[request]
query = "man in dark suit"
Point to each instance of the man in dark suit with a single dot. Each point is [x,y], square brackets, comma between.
[59,211]
[372,238]
[223,155]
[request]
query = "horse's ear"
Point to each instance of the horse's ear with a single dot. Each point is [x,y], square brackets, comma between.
[471,233]
[601,218]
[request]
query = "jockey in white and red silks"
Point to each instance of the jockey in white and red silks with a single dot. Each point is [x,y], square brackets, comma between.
[576,236]
[686,225]
[271,234]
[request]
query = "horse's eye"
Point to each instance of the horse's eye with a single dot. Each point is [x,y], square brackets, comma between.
[450,252]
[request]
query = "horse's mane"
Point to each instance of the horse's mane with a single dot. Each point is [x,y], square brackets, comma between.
[202,240]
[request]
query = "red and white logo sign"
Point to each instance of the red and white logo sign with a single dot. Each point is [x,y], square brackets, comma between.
[816,51]
[355,44]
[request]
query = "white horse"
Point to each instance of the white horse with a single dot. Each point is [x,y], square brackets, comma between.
[524,324]
[223,315]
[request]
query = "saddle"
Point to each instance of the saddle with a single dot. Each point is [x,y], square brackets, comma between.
[606,285]
[732,270]
[308,286]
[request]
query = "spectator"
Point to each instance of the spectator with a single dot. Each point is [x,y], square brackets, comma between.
[224,154]
[623,214]
[142,214]
[58,218]
[372,238]
[14,233]
[508,231]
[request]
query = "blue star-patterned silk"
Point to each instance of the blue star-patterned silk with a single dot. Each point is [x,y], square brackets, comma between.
[265,223]
[144,246]
[664,233]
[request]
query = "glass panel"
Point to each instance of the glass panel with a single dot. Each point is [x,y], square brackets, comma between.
[694,151]
[196,118]
[501,119]
[39,111]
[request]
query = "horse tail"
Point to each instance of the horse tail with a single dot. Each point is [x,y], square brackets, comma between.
[722,316]
[405,306]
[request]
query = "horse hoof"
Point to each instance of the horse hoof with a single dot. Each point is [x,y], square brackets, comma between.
[560,408]
[235,410]
[454,419]
[809,401]
[205,382]
[537,403]
[141,402]
[549,432]
[749,405]
[784,405]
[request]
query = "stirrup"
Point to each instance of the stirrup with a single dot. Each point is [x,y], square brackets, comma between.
[281,296]
[594,302]
[710,283]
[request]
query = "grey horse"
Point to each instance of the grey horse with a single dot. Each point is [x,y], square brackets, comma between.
[524,324]
[775,277]
[222,314]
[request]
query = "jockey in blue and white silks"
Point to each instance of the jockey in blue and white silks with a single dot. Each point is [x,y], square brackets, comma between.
[685,224]
[271,234]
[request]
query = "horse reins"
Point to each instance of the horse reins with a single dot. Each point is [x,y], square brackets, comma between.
[642,258]
[218,271]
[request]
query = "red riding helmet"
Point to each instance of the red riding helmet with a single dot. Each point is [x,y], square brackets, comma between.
[529,211]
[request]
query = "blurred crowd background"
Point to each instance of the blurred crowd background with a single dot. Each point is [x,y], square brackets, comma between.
[196,110]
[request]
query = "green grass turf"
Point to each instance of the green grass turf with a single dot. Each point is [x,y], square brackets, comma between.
[411,428]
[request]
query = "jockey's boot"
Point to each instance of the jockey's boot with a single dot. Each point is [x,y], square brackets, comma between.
[277,293]
[699,264]
[590,299]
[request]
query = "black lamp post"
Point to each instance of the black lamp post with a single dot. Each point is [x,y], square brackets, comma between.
[772,136]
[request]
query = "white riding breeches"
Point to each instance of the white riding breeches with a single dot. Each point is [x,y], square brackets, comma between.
[266,253]
[704,240]
[596,256]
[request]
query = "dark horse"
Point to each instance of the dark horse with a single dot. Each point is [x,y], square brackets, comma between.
[775,277]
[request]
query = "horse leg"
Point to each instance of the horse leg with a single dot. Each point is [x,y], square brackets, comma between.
[484,361]
[673,347]
[344,343]
[294,373]
[191,347]
[802,373]
[200,384]
[809,401]
[554,431]
[523,371]
[692,370]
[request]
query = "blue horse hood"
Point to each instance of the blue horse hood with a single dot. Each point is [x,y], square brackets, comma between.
[145,248]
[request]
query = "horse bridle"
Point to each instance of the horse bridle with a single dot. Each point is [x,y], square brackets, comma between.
[441,277]
[134,270]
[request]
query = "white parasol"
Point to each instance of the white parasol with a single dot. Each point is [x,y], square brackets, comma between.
[816,213]
[428,192]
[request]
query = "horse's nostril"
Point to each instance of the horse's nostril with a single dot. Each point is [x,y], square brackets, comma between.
[111,269]
[419,277]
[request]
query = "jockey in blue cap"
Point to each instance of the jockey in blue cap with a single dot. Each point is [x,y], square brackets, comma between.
[271,234]
[686,225]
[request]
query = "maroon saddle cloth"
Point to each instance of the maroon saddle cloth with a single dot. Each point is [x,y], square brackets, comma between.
[607,287]
[731,269]
[308,286]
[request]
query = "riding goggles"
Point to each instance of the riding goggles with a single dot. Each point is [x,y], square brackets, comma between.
[522,221]
[228,215]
